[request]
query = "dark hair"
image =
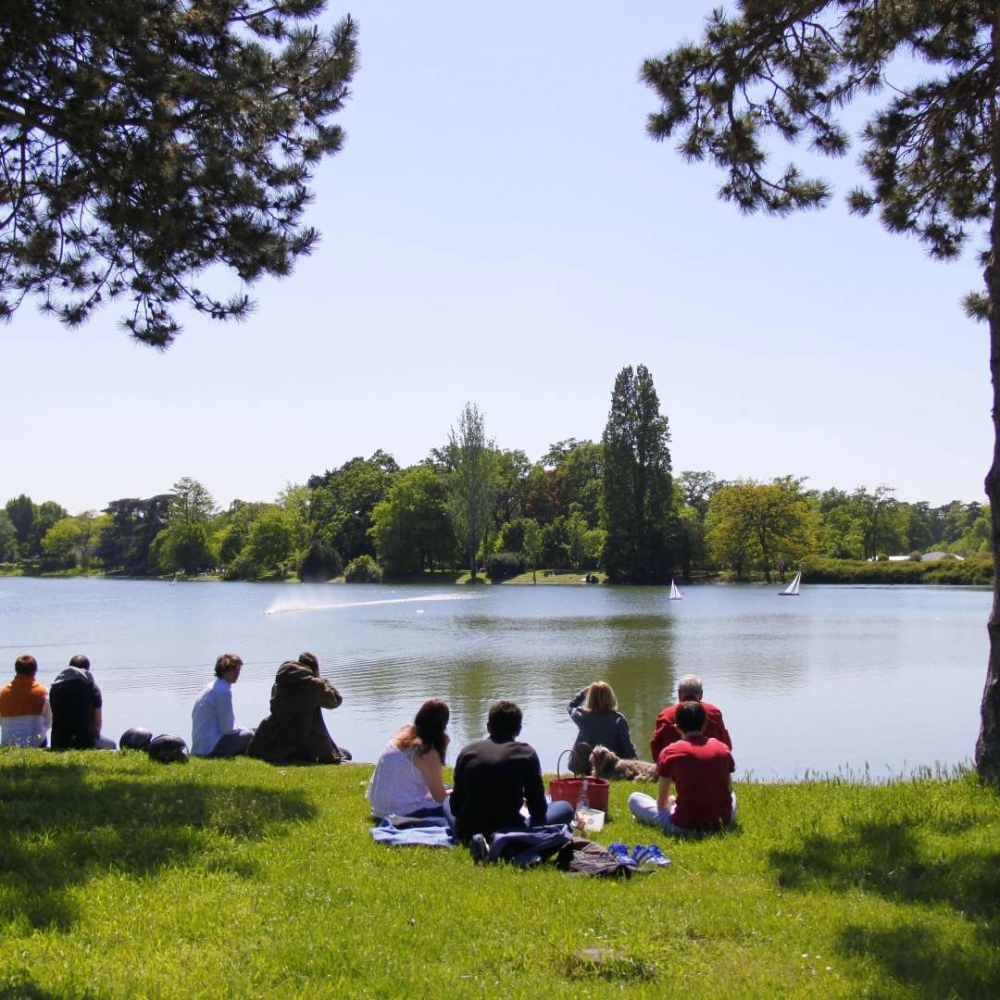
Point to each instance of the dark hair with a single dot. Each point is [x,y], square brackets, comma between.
[504,720]
[26,664]
[80,661]
[690,717]
[227,662]
[309,660]
[427,728]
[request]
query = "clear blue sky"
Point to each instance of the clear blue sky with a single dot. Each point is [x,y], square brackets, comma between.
[499,229]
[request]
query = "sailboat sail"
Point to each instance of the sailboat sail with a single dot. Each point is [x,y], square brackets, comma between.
[675,594]
[792,590]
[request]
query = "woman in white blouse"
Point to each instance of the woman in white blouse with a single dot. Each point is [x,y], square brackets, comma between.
[408,778]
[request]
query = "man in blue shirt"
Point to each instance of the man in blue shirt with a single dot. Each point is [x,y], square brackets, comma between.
[213,725]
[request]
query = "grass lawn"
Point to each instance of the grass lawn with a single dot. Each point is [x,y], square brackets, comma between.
[124,878]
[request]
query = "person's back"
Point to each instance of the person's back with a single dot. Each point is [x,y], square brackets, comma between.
[689,688]
[493,779]
[700,767]
[25,715]
[295,729]
[214,732]
[599,723]
[74,696]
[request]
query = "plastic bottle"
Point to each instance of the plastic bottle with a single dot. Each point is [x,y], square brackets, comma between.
[582,805]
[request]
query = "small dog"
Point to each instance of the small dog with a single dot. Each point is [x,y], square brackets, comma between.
[611,767]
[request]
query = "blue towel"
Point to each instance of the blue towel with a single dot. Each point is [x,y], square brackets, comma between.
[425,836]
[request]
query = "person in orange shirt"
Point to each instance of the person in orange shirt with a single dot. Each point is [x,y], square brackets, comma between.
[25,715]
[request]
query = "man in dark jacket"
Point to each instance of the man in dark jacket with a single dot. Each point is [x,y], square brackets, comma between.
[295,732]
[495,777]
[77,708]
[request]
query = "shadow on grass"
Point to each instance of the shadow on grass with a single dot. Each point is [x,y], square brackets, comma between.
[885,858]
[63,823]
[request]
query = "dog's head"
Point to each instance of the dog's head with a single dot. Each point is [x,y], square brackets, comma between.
[603,761]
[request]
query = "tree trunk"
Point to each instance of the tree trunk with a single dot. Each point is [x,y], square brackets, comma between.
[988,744]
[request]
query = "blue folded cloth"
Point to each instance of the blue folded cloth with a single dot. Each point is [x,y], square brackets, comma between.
[432,835]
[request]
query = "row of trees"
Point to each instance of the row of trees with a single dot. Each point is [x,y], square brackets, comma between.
[584,505]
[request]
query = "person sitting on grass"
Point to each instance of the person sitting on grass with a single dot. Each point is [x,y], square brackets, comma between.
[598,723]
[408,778]
[295,731]
[25,715]
[495,777]
[701,767]
[214,732]
[689,688]
[77,709]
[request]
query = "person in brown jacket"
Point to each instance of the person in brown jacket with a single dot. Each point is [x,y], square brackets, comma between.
[295,732]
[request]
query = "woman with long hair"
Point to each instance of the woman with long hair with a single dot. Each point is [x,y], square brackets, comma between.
[598,723]
[408,779]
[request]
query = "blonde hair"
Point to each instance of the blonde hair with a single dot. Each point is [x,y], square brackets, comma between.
[601,698]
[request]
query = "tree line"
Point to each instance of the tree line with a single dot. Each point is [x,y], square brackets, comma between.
[612,506]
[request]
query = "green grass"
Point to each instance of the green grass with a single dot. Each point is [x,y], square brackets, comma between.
[123,878]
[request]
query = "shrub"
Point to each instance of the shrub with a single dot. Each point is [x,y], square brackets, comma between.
[503,565]
[971,572]
[364,569]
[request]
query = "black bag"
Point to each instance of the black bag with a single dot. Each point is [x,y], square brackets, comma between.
[135,739]
[168,749]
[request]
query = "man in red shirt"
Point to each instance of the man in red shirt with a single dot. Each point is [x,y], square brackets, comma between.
[701,768]
[667,731]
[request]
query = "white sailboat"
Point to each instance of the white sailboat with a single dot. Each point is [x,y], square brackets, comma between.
[675,594]
[792,590]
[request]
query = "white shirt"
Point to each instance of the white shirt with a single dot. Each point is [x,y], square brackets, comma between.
[212,717]
[397,786]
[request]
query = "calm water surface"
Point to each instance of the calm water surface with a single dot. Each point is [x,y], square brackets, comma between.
[838,679]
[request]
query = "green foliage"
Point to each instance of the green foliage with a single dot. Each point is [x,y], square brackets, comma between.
[472,479]
[340,504]
[270,543]
[144,143]
[321,562]
[502,566]
[760,526]
[970,572]
[125,541]
[183,547]
[115,871]
[411,526]
[190,502]
[364,569]
[8,538]
[61,540]
[638,496]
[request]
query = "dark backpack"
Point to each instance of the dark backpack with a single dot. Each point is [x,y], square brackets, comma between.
[168,749]
[135,739]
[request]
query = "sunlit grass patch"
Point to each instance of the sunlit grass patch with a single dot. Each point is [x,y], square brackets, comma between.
[122,878]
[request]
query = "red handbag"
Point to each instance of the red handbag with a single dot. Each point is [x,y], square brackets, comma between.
[568,789]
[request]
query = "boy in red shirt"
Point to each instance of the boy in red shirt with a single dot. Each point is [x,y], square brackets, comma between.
[701,768]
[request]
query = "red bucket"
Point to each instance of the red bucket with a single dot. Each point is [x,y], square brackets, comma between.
[568,789]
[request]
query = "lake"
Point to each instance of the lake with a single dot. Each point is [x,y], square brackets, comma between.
[837,680]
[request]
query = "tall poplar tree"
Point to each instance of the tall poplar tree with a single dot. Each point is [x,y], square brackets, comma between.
[472,457]
[638,491]
[784,70]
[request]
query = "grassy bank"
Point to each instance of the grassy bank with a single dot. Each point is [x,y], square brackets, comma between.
[122,878]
